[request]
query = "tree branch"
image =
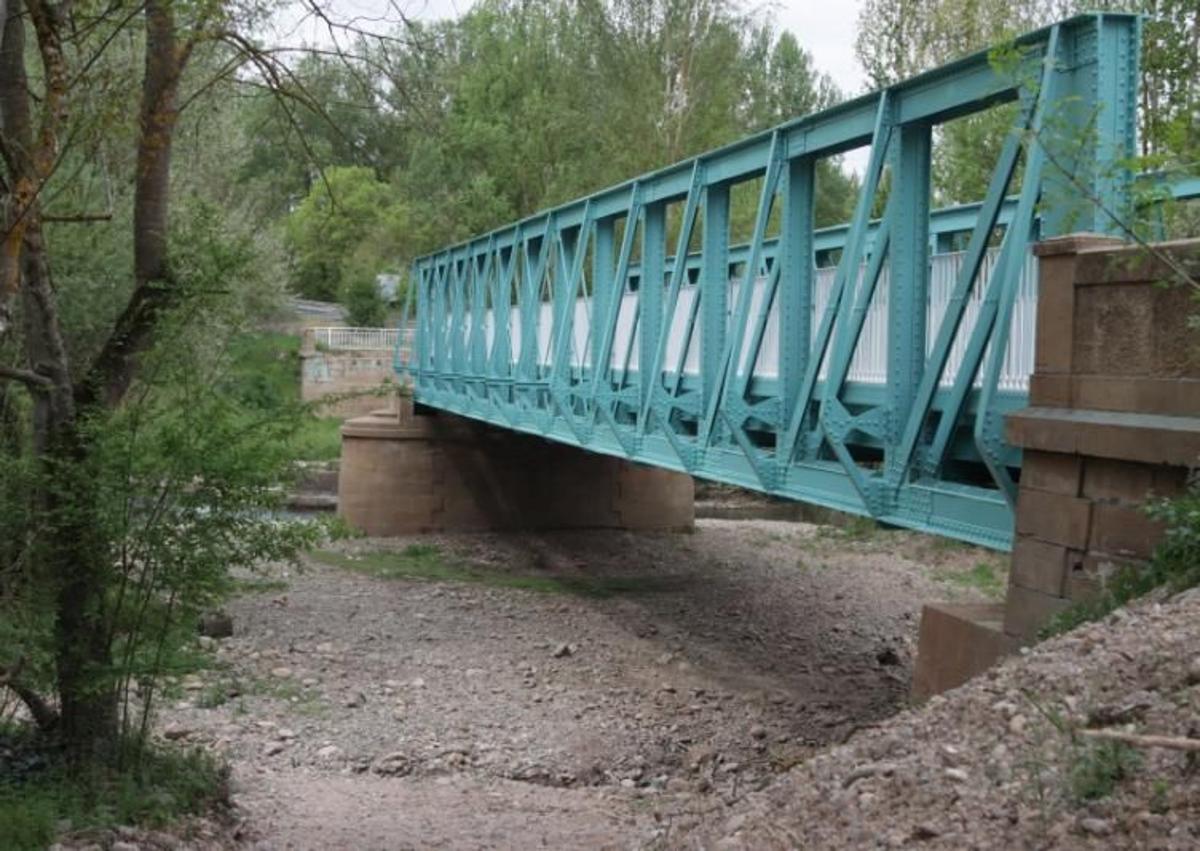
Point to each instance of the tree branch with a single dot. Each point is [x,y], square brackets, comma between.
[1175,743]
[112,372]
[67,218]
[1129,230]
[43,715]
[30,379]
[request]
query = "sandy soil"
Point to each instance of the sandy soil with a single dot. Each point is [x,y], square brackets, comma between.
[643,684]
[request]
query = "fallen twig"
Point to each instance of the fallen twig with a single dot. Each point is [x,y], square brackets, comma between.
[1175,743]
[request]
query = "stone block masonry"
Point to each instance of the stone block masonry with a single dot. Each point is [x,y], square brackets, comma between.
[423,471]
[355,382]
[1113,421]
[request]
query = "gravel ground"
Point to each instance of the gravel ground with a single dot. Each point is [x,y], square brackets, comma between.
[646,683]
[1002,763]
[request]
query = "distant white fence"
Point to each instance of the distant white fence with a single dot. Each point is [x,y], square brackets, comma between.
[356,339]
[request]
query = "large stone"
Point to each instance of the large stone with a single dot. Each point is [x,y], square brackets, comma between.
[216,625]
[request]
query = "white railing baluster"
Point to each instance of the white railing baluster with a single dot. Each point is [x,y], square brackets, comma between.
[357,339]
[869,365]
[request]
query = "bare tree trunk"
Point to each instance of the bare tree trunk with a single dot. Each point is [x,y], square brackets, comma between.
[114,368]
[72,557]
[14,115]
[82,644]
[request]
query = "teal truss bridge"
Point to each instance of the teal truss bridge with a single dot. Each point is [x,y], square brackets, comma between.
[866,367]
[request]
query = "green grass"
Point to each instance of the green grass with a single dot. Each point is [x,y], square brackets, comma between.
[299,698]
[1098,767]
[427,562]
[265,375]
[213,695]
[318,439]
[1160,797]
[940,544]
[986,577]
[265,368]
[41,802]
[852,528]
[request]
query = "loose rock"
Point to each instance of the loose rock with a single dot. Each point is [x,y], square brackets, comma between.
[392,765]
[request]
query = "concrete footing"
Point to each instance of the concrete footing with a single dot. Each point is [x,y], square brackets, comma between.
[424,471]
[957,642]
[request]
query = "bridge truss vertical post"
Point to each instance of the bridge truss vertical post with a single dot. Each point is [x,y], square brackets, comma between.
[714,292]
[795,279]
[650,296]
[908,283]
[601,283]
[1092,132]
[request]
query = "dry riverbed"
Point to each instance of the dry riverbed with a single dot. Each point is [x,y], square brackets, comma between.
[599,689]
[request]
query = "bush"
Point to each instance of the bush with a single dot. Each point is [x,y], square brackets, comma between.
[1098,767]
[365,307]
[160,786]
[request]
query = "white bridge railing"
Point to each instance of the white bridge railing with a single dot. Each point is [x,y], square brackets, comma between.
[356,339]
[869,365]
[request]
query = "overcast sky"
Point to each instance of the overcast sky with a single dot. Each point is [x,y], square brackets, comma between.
[824,27]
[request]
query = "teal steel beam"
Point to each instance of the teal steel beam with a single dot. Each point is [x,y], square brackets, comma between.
[714,291]
[678,275]
[731,354]
[908,284]
[796,263]
[952,319]
[601,281]
[650,297]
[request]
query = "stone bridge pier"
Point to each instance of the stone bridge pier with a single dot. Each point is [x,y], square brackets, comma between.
[1113,422]
[422,470]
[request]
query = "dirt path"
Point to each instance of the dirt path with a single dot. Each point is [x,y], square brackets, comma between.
[576,690]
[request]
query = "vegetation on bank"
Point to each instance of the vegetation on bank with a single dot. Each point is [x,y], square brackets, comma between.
[1174,567]
[42,800]
[264,374]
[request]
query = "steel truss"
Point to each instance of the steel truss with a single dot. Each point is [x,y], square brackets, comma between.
[925,449]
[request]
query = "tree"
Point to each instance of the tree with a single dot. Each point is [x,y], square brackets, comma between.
[518,106]
[62,398]
[546,101]
[365,307]
[340,213]
[337,115]
[899,38]
[104,354]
